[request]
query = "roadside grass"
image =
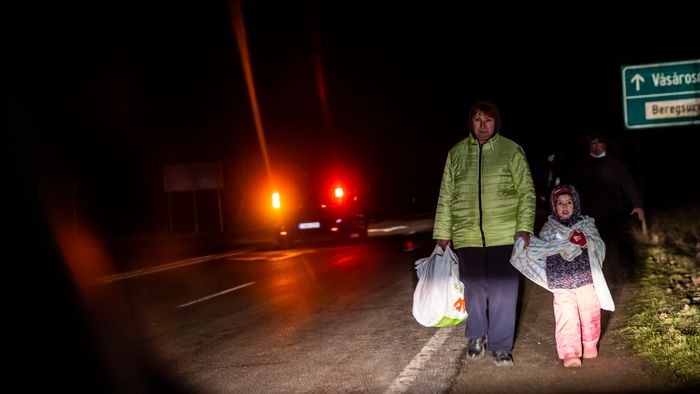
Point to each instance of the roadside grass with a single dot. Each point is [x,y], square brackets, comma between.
[665,323]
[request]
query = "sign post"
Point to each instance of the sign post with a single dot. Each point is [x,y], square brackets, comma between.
[661,94]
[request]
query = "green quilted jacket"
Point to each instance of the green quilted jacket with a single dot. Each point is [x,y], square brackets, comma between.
[487,207]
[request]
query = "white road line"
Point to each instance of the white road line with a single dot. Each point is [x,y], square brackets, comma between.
[196,260]
[386,230]
[215,295]
[253,258]
[268,257]
[404,381]
[164,267]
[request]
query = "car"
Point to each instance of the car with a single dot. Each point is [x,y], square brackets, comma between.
[315,205]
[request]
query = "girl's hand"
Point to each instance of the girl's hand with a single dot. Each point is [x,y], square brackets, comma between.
[578,238]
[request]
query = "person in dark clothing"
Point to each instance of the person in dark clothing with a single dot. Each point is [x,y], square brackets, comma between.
[611,194]
[604,180]
[550,170]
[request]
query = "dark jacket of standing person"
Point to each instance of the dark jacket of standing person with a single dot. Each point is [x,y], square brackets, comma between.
[605,183]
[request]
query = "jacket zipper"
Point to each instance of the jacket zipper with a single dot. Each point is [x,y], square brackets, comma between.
[481,213]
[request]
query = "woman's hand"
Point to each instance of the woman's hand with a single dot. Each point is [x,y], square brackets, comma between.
[525,236]
[443,243]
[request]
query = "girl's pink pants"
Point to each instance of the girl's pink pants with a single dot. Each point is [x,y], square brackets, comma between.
[577,317]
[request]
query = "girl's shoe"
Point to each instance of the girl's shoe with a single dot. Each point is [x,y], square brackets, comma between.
[590,352]
[571,361]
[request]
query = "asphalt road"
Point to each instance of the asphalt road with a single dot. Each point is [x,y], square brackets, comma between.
[322,318]
[328,318]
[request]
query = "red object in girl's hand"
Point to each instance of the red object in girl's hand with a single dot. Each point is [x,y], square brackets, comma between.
[578,238]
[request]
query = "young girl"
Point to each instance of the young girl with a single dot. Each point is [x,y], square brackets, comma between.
[567,259]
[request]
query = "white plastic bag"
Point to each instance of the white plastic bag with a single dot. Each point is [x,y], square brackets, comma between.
[438,299]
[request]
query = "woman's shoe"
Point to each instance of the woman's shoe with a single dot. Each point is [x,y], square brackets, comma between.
[476,347]
[502,358]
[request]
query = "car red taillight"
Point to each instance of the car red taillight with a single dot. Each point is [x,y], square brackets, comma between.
[339,193]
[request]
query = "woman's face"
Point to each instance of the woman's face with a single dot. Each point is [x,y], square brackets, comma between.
[565,206]
[483,126]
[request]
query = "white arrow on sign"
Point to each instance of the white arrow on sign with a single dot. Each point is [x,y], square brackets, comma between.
[636,79]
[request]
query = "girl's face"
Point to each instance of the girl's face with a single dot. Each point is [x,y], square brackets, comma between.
[565,206]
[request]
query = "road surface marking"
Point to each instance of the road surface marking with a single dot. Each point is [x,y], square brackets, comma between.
[386,229]
[164,267]
[404,381]
[192,261]
[215,295]
[270,256]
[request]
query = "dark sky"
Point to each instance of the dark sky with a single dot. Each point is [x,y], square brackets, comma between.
[105,95]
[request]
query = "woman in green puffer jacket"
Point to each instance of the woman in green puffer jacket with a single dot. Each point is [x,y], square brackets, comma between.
[487,200]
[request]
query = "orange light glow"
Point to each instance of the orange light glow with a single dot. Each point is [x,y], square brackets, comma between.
[276,200]
[347,260]
[334,228]
[86,255]
[241,38]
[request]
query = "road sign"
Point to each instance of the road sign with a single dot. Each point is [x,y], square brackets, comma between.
[661,94]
